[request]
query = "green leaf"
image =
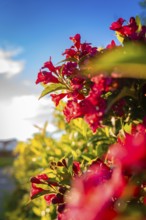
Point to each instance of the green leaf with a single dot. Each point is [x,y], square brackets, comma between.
[86,157]
[51,88]
[128,61]
[138,22]
[119,37]
[127,128]
[81,126]
[70,163]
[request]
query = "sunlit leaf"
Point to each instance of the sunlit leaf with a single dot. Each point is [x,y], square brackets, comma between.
[119,37]
[81,125]
[128,61]
[127,128]
[51,88]
[138,22]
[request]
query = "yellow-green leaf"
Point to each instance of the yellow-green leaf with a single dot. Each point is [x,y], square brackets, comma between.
[138,22]
[51,88]
[119,37]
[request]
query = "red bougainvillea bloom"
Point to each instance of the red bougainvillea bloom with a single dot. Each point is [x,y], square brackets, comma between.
[77,83]
[49,198]
[76,167]
[80,50]
[72,110]
[49,65]
[131,31]
[111,45]
[59,198]
[91,108]
[91,195]
[129,152]
[70,53]
[93,105]
[69,69]
[76,95]
[61,216]
[57,97]
[35,191]
[87,49]
[46,77]
[117,25]
[40,179]
[76,40]
[93,120]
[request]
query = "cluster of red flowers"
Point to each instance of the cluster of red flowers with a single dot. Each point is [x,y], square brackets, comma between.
[124,163]
[115,177]
[50,197]
[131,30]
[84,94]
[53,191]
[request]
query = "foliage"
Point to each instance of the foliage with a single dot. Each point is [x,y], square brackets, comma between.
[96,168]
[6,161]
[41,154]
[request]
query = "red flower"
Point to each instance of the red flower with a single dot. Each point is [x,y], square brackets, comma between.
[50,66]
[75,95]
[91,195]
[93,120]
[59,198]
[46,77]
[79,50]
[70,53]
[76,40]
[69,68]
[57,97]
[76,167]
[128,30]
[129,152]
[72,110]
[35,190]
[49,198]
[111,45]
[40,179]
[61,216]
[117,25]
[87,49]
[77,82]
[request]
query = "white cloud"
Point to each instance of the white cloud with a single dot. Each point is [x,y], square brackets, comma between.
[20,108]
[18,116]
[8,65]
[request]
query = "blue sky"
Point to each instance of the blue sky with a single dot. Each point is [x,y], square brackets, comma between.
[34,30]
